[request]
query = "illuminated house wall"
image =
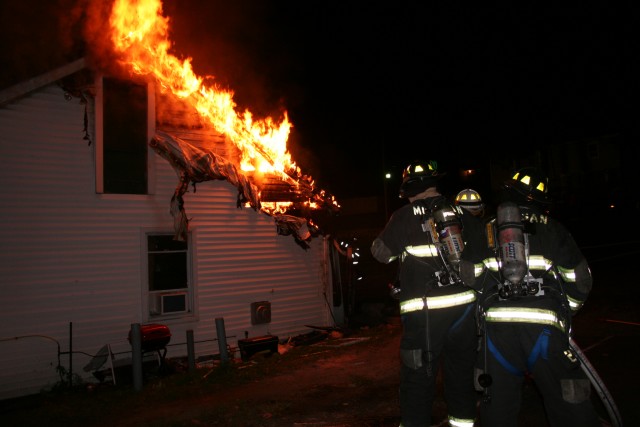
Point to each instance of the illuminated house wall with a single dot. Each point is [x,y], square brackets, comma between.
[72,257]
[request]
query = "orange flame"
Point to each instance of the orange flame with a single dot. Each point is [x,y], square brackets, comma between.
[140,36]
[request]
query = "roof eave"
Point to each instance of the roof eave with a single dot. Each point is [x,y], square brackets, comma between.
[28,86]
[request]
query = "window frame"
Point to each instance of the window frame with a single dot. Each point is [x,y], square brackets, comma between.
[99,139]
[148,295]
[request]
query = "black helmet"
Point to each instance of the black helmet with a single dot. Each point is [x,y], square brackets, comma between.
[419,176]
[529,185]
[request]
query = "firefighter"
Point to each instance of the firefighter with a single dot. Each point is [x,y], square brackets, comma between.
[426,236]
[532,280]
[470,200]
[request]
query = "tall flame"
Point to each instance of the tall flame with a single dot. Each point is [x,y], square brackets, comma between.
[140,36]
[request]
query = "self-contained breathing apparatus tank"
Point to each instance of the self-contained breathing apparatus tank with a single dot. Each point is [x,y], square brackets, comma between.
[449,229]
[511,242]
[446,229]
[512,249]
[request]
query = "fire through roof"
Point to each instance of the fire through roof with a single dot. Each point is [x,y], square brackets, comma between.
[292,212]
[139,37]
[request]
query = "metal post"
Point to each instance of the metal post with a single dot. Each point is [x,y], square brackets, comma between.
[350,285]
[222,339]
[70,354]
[191,351]
[136,355]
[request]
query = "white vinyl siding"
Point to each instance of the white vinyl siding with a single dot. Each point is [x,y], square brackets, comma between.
[71,259]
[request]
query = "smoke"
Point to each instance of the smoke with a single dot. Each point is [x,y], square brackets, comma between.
[96,36]
[238,46]
[241,47]
[233,44]
[36,37]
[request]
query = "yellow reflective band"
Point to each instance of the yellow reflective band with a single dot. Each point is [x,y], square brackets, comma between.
[451,300]
[568,274]
[422,250]
[411,305]
[478,269]
[492,264]
[444,301]
[460,422]
[524,315]
[574,304]
[537,262]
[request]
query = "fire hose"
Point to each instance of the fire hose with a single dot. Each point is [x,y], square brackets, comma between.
[598,384]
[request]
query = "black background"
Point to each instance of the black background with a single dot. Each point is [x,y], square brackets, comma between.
[370,87]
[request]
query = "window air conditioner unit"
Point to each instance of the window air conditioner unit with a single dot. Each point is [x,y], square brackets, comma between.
[175,302]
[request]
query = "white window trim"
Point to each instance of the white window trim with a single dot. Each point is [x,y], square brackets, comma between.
[144,275]
[99,140]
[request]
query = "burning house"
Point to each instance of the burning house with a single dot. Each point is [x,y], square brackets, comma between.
[149,200]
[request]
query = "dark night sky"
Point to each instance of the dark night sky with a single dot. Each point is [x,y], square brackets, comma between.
[372,86]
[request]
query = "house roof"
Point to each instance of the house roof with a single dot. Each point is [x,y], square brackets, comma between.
[301,209]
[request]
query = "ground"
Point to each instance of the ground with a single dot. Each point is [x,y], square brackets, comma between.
[348,379]
[337,382]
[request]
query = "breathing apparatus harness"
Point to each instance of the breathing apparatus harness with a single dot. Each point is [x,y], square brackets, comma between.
[510,254]
[442,221]
[510,240]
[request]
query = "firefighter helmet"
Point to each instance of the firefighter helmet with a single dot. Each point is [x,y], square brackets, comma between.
[471,201]
[529,185]
[419,176]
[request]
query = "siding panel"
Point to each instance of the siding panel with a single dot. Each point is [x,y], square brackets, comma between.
[71,260]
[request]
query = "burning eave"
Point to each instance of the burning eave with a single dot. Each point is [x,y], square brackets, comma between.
[295,209]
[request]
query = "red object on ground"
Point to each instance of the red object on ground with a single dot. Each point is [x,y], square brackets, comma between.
[154,336]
